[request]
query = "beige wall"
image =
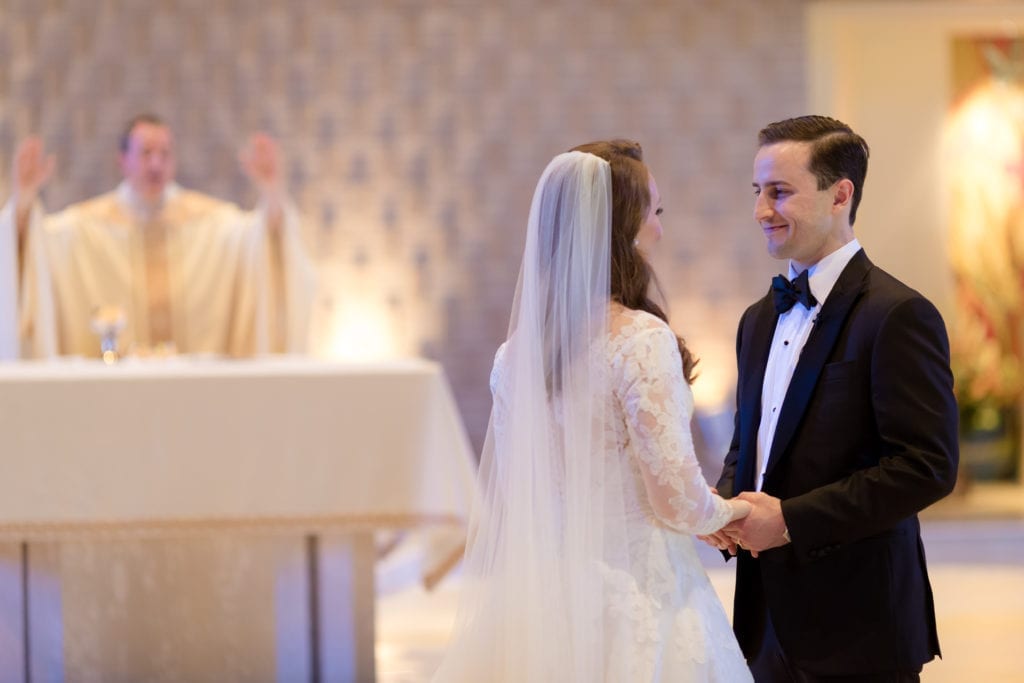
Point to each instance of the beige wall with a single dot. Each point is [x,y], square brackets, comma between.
[886,69]
[416,131]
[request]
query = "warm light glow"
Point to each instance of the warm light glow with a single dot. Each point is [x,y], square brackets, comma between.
[713,342]
[713,390]
[983,168]
[363,331]
[373,310]
[983,156]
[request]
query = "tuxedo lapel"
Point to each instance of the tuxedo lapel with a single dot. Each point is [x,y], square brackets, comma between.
[829,324]
[752,363]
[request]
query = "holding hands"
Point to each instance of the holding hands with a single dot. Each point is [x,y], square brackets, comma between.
[740,509]
[761,528]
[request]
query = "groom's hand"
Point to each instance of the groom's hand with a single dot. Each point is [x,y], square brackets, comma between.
[763,528]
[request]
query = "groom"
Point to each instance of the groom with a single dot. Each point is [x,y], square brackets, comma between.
[846,427]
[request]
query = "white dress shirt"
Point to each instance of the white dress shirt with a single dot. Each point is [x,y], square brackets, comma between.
[791,333]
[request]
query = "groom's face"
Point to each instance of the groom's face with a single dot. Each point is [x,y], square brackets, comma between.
[798,219]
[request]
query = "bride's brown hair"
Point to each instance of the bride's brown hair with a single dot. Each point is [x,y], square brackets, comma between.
[631,275]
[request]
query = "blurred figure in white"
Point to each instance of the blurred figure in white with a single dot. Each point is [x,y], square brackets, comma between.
[187,272]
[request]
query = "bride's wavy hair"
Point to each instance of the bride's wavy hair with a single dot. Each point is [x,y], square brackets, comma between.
[632,277]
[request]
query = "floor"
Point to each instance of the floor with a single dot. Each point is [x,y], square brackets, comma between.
[975,545]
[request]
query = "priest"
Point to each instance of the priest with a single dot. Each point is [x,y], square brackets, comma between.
[179,270]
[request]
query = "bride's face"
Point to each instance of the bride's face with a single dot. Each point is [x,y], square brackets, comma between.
[650,230]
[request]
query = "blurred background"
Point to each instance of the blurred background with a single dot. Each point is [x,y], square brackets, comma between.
[415,133]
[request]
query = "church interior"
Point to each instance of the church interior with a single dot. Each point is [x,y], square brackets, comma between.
[413,135]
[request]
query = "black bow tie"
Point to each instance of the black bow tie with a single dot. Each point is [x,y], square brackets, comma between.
[787,293]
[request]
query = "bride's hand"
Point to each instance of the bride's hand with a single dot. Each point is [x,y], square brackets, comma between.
[740,509]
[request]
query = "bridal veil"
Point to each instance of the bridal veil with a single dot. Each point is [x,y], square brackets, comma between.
[551,517]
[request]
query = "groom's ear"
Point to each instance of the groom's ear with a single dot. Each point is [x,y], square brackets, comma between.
[843,193]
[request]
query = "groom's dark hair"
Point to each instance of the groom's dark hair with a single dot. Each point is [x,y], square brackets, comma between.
[836,151]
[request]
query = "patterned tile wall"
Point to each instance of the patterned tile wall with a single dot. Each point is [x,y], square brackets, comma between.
[415,132]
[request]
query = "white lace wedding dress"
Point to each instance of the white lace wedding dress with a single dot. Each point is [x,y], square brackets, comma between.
[665,621]
[680,629]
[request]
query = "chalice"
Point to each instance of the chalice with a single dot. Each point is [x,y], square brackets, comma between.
[107,323]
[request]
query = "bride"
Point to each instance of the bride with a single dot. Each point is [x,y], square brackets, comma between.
[580,564]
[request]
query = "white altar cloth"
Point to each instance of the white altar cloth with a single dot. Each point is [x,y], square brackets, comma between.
[194,446]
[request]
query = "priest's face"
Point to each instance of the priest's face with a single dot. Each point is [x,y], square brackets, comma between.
[148,162]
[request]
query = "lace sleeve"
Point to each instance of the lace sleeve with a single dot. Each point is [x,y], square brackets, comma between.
[658,406]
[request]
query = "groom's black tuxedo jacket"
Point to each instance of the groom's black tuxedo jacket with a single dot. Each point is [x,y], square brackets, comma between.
[867,437]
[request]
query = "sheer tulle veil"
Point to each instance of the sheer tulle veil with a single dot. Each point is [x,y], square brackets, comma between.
[550,521]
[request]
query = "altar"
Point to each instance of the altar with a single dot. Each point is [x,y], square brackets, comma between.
[201,519]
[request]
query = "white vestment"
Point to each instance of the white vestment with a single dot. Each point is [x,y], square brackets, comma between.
[223,285]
